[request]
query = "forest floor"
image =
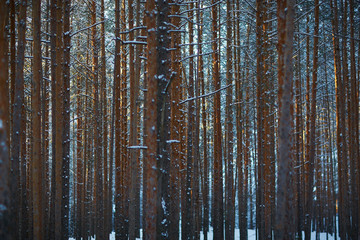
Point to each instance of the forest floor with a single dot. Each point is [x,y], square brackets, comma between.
[251,235]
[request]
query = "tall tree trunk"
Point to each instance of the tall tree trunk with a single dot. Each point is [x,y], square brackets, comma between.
[298,139]
[59,123]
[354,131]
[37,165]
[104,126]
[156,127]
[124,160]
[187,228]
[117,120]
[150,131]
[284,215]
[17,128]
[79,161]
[6,219]
[263,199]
[175,127]
[205,190]
[66,122]
[230,204]
[218,216]
[133,129]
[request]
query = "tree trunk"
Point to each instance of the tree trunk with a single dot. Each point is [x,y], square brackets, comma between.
[17,128]
[354,131]
[263,199]
[66,122]
[230,204]
[284,215]
[175,89]
[37,165]
[6,219]
[218,215]
[134,82]
[117,60]
[187,227]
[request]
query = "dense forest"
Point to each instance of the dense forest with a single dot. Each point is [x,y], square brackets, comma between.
[179,119]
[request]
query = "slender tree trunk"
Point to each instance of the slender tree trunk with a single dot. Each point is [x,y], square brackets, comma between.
[218,217]
[45,99]
[263,199]
[187,227]
[124,158]
[230,205]
[12,63]
[59,123]
[6,219]
[150,126]
[79,160]
[354,130]
[37,165]
[284,215]
[17,128]
[133,129]
[205,190]
[104,125]
[175,128]
[66,124]
[299,146]
[346,106]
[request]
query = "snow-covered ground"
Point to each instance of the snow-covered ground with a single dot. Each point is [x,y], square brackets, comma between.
[251,235]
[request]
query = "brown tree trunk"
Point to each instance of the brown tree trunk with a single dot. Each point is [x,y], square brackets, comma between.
[59,123]
[104,126]
[187,228]
[218,215]
[17,128]
[299,146]
[263,199]
[66,122]
[6,219]
[354,131]
[45,102]
[175,89]
[230,204]
[134,168]
[124,158]
[205,190]
[79,161]
[196,145]
[37,164]
[117,78]
[150,126]
[284,215]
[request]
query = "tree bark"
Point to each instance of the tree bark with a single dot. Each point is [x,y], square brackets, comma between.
[218,217]
[230,204]
[37,165]
[17,127]
[6,219]
[285,224]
